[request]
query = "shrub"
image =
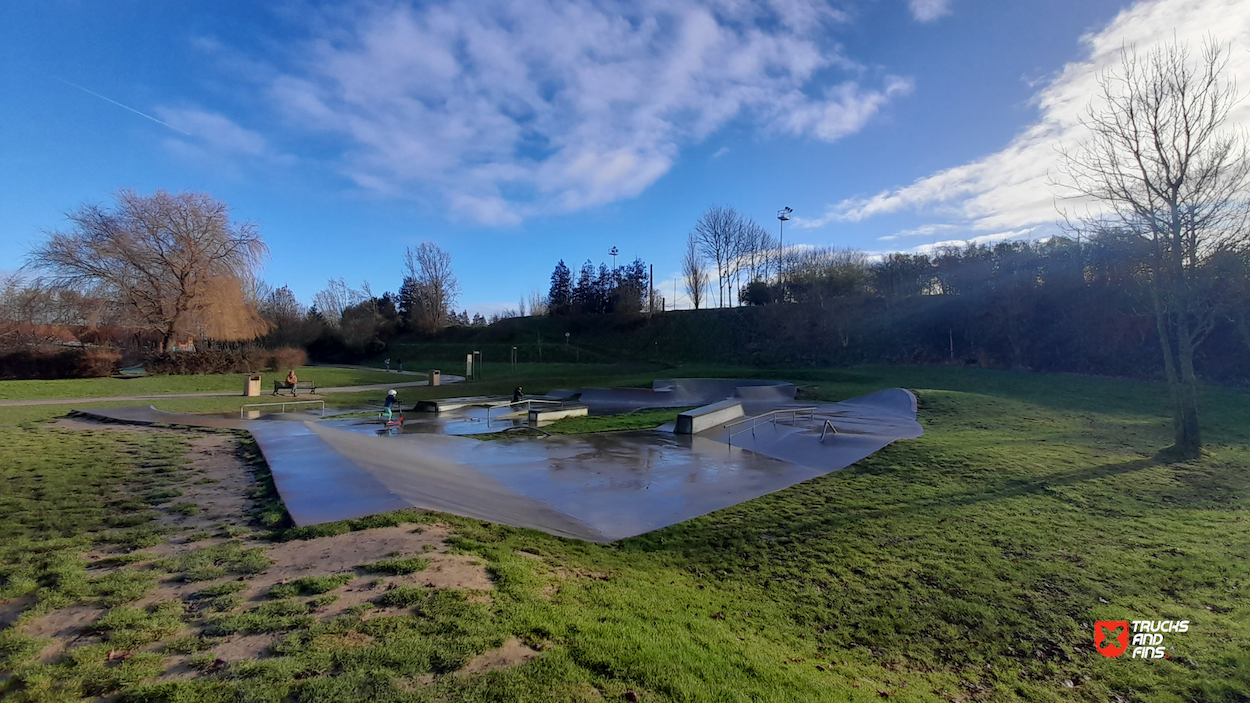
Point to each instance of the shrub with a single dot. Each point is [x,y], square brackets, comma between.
[241,360]
[97,363]
[207,361]
[59,363]
[284,358]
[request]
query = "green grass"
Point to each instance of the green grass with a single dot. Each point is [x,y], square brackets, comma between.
[396,567]
[638,420]
[309,586]
[324,376]
[966,565]
[222,559]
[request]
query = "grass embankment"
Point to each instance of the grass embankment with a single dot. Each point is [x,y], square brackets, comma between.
[324,376]
[965,565]
[637,420]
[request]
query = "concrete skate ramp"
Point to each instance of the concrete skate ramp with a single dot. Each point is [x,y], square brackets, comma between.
[681,392]
[149,415]
[421,470]
[863,427]
[597,487]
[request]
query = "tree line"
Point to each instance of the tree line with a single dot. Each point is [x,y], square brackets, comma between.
[599,290]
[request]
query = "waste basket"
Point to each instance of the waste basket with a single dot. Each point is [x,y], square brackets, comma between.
[436,377]
[253,386]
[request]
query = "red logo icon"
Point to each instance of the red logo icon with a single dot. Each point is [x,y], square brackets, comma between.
[1111,637]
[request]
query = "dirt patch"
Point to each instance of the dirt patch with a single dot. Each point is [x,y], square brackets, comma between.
[169,589]
[328,555]
[244,647]
[514,652]
[179,670]
[66,629]
[64,623]
[454,571]
[217,487]
[12,609]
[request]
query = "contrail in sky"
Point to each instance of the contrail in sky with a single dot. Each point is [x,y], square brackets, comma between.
[141,114]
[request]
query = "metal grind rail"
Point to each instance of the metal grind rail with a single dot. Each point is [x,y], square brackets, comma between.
[750,423]
[243,410]
[528,403]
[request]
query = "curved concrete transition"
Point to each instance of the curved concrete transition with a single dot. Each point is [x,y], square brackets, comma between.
[597,487]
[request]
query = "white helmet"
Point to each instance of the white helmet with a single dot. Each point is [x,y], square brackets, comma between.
[391,392]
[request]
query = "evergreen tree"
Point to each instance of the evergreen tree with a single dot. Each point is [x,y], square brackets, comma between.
[560,296]
[584,295]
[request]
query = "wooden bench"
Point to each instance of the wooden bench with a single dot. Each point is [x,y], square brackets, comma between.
[306,386]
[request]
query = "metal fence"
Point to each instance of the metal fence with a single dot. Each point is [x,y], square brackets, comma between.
[244,410]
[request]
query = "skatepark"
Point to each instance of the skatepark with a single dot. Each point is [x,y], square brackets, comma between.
[737,440]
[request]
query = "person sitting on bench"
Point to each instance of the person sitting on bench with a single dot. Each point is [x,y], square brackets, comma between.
[392,400]
[291,380]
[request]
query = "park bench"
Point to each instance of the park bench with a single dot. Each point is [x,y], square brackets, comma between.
[295,388]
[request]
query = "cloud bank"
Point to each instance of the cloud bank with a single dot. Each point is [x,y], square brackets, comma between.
[507,109]
[928,10]
[1011,190]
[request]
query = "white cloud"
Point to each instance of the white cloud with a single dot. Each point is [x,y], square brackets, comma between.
[981,239]
[921,231]
[214,130]
[928,10]
[508,109]
[1011,189]
[720,152]
[214,139]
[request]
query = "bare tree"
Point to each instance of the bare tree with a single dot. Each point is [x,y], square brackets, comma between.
[693,272]
[432,286]
[758,245]
[717,233]
[1161,164]
[537,302]
[177,260]
[336,297]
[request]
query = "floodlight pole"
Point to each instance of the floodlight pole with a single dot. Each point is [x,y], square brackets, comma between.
[783,214]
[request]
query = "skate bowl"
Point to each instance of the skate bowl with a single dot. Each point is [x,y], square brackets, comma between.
[598,487]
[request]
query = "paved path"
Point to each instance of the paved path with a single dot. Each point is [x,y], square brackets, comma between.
[383,387]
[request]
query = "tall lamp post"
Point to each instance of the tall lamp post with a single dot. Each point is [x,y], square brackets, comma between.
[783,214]
[612,253]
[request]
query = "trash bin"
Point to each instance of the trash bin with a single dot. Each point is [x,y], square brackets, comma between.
[436,377]
[252,388]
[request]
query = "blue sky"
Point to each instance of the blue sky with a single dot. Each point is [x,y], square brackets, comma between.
[514,134]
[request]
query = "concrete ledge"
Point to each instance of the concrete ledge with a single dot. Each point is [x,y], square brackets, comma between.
[443,405]
[538,415]
[708,416]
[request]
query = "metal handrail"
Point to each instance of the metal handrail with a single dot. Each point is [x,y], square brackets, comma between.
[243,410]
[770,416]
[827,426]
[528,403]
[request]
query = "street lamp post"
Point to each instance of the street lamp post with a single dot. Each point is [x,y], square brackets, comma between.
[783,214]
[613,252]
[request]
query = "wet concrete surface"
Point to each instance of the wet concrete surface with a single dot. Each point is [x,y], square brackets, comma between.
[598,487]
